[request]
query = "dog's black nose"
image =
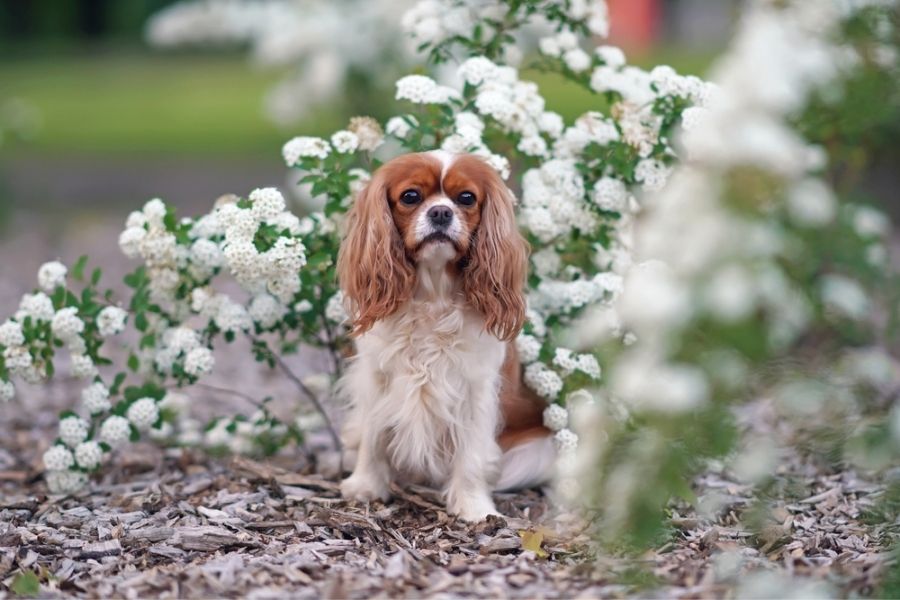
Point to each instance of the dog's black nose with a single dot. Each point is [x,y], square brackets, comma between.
[440,216]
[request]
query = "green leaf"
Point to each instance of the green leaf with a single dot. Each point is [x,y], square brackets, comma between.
[26,584]
[96,275]
[140,321]
[78,268]
[117,383]
[133,363]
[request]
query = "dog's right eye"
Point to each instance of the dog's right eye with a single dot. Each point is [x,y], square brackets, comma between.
[410,197]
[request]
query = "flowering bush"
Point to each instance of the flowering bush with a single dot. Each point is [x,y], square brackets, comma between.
[578,183]
[759,273]
[327,46]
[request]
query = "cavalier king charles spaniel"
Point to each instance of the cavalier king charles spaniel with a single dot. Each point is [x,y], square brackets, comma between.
[433,272]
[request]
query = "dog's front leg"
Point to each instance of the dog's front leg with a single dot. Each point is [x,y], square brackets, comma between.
[372,476]
[474,466]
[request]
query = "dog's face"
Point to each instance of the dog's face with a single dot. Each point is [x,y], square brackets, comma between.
[441,208]
[437,198]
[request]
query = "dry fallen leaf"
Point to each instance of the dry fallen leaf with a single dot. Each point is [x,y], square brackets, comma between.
[532,540]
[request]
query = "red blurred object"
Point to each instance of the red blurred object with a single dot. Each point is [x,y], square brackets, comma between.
[634,24]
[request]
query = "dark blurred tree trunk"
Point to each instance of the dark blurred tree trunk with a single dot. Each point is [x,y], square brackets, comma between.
[92,21]
[17,18]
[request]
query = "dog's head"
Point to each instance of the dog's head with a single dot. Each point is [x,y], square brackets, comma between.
[446,210]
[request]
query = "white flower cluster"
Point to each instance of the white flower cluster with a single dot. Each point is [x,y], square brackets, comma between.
[420,89]
[275,270]
[543,380]
[143,413]
[431,22]
[568,362]
[182,347]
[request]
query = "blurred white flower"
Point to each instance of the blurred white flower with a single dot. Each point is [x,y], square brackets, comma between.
[52,275]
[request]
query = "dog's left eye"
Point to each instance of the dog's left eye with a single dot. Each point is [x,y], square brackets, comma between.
[466,198]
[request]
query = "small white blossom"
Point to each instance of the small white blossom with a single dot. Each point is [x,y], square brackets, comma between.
[266,311]
[543,380]
[845,296]
[556,417]
[73,430]
[64,481]
[155,212]
[83,366]
[477,70]
[549,46]
[587,364]
[88,455]
[566,441]
[52,275]
[143,413]
[528,347]
[17,358]
[66,324]
[115,430]
[811,203]
[577,59]
[334,309]
[199,361]
[652,173]
[397,127]
[420,89]
[345,141]
[304,146]
[7,391]
[135,218]
[565,360]
[610,194]
[37,306]
[95,398]
[130,241]
[11,334]
[303,306]
[232,317]
[870,222]
[611,56]
[111,321]
[267,203]
[532,146]
[551,123]
[58,458]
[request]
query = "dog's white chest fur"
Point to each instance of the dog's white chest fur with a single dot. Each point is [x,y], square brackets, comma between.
[424,399]
[436,374]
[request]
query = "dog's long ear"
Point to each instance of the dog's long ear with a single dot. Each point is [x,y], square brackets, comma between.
[494,278]
[372,267]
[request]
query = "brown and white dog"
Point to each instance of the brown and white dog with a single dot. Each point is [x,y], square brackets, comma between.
[433,270]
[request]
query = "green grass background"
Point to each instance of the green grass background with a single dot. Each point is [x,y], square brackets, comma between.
[138,103]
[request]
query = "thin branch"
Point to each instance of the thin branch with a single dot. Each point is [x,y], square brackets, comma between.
[311,397]
[235,393]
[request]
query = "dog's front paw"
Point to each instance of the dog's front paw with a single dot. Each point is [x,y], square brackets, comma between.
[364,488]
[473,508]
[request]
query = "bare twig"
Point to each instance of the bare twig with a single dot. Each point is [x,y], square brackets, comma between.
[235,393]
[309,396]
